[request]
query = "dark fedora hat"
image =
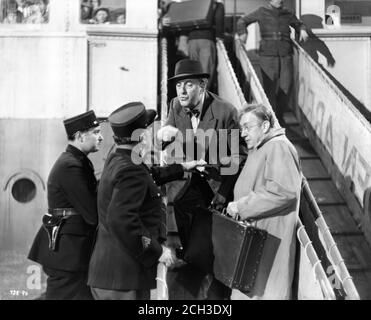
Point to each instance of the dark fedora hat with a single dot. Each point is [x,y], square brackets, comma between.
[81,122]
[188,68]
[129,117]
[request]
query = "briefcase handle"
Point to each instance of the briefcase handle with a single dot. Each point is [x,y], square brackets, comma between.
[253,223]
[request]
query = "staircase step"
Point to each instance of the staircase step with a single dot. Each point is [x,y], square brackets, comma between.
[325,193]
[314,169]
[339,219]
[290,118]
[295,133]
[304,149]
[354,250]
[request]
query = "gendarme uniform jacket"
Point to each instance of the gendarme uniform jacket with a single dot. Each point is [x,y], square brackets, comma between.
[131,224]
[274,28]
[71,184]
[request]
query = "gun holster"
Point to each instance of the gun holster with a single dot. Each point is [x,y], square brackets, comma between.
[52,226]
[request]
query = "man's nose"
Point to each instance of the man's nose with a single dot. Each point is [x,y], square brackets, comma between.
[182,88]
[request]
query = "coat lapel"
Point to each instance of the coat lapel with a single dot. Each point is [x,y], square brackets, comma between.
[207,120]
[183,121]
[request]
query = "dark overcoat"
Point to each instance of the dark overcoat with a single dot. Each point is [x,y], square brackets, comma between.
[131,224]
[71,184]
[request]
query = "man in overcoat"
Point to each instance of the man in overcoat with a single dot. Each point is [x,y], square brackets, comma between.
[131,231]
[63,244]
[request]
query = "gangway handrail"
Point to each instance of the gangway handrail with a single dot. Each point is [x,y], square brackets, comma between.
[331,247]
[221,47]
[318,270]
[164,72]
[261,97]
[333,86]
[333,252]
[161,284]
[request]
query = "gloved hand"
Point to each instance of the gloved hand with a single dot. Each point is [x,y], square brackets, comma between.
[218,202]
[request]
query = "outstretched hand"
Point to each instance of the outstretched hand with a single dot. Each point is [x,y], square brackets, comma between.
[189,165]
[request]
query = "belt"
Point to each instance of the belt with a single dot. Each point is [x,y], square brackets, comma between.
[62,212]
[276,36]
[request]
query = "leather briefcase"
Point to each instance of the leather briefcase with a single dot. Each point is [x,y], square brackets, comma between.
[238,248]
[189,15]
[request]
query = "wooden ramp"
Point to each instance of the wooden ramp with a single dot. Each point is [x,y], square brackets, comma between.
[349,238]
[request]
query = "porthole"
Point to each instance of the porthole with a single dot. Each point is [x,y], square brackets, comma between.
[24,190]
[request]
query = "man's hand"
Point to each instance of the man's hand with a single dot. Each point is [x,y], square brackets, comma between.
[218,202]
[167,133]
[243,37]
[189,165]
[165,21]
[303,35]
[232,210]
[167,256]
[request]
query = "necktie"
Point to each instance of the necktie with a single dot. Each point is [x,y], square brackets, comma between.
[194,114]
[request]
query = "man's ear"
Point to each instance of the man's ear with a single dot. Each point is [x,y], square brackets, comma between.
[79,136]
[203,84]
[266,126]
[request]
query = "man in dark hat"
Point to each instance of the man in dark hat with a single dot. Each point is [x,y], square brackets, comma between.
[63,244]
[197,113]
[131,229]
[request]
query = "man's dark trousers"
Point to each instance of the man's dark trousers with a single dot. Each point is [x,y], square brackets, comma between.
[277,73]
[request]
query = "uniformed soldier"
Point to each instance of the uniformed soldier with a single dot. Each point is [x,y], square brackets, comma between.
[131,228]
[63,244]
[275,50]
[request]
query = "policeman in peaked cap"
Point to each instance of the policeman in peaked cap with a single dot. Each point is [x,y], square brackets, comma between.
[131,226]
[64,242]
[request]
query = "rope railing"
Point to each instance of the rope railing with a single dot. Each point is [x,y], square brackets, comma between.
[327,240]
[164,72]
[222,53]
[318,271]
[162,289]
[330,245]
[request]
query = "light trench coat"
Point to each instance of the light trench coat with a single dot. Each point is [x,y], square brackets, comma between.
[268,193]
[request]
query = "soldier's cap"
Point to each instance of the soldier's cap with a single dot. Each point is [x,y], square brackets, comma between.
[81,122]
[188,69]
[129,117]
